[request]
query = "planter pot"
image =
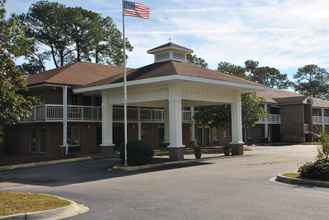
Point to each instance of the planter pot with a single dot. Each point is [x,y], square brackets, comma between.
[227,151]
[197,155]
[237,149]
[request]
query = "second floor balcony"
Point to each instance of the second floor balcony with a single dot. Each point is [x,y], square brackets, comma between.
[270,119]
[78,113]
[54,113]
[318,120]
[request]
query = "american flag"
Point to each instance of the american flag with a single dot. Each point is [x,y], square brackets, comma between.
[136,9]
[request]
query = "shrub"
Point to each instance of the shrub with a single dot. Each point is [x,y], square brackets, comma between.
[315,170]
[323,151]
[320,168]
[138,153]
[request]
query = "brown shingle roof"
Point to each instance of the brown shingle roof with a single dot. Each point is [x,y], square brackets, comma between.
[283,97]
[77,74]
[271,94]
[174,68]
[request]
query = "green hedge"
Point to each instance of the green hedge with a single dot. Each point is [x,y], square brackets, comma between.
[315,170]
[138,153]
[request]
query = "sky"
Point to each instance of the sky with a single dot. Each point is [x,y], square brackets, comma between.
[285,34]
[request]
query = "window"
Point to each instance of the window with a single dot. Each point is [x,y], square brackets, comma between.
[38,140]
[73,99]
[179,56]
[73,136]
[162,56]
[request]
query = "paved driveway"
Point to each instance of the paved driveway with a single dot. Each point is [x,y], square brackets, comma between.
[231,188]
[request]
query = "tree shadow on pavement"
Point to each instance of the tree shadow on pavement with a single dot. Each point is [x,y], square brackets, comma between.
[78,172]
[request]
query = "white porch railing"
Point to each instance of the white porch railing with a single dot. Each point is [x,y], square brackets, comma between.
[54,113]
[187,116]
[271,119]
[317,120]
[146,114]
[50,112]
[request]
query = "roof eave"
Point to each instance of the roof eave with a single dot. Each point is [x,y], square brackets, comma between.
[152,51]
[47,84]
[170,78]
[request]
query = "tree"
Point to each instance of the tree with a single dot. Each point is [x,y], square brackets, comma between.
[251,65]
[220,116]
[231,69]
[312,80]
[213,116]
[36,62]
[106,45]
[271,77]
[47,24]
[72,34]
[14,104]
[268,76]
[192,58]
[252,110]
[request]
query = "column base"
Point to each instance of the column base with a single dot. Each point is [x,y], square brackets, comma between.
[176,153]
[108,149]
[236,149]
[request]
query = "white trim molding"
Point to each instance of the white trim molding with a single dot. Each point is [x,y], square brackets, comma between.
[167,79]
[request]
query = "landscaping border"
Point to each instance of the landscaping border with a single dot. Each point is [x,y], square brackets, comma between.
[299,181]
[59,213]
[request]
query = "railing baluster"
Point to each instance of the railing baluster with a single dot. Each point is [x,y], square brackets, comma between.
[81,116]
[46,112]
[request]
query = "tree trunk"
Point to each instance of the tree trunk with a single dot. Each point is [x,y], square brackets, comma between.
[77,43]
[96,56]
[53,56]
[61,54]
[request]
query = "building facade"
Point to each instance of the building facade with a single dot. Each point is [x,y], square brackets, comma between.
[80,109]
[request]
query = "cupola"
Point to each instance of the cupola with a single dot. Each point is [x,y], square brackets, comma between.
[170,51]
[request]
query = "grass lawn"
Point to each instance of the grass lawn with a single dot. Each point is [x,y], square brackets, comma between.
[17,202]
[291,175]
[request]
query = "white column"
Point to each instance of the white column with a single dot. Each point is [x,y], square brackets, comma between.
[265,123]
[175,121]
[65,118]
[322,121]
[193,125]
[236,118]
[107,122]
[166,123]
[139,125]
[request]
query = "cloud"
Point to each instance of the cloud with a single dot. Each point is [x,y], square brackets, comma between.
[282,33]
[285,34]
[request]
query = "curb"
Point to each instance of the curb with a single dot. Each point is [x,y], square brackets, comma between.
[299,181]
[159,165]
[51,162]
[59,213]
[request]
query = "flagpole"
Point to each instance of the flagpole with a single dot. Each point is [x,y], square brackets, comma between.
[124,86]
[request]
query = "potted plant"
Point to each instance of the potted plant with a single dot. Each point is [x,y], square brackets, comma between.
[196,149]
[227,150]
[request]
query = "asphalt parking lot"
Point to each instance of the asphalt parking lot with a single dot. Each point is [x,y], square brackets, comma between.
[230,188]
